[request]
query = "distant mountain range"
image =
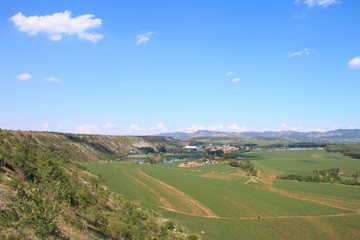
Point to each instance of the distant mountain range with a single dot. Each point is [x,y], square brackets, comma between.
[339,135]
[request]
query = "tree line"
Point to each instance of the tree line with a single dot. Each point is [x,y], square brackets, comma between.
[331,175]
[351,150]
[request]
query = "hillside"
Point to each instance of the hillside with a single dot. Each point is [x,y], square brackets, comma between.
[46,195]
[89,148]
[340,135]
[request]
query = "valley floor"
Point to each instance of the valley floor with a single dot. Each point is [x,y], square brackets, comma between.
[220,202]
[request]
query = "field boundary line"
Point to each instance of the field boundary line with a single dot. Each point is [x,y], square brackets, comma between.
[162,200]
[194,202]
[307,199]
[296,216]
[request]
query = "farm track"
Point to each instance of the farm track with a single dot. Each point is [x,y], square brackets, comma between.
[308,199]
[162,200]
[206,212]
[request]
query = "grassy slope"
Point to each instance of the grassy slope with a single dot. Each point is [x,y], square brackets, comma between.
[47,196]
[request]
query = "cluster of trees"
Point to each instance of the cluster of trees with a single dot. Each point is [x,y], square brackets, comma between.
[351,150]
[331,175]
[218,153]
[244,165]
[147,150]
[324,175]
[307,145]
[52,194]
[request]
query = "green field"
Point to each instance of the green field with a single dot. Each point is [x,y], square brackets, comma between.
[302,162]
[221,202]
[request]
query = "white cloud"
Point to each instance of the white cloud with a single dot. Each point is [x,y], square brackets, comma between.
[135,128]
[45,126]
[58,25]
[288,128]
[335,127]
[229,74]
[305,51]
[315,130]
[237,128]
[235,79]
[320,3]
[108,125]
[195,128]
[354,63]
[24,77]
[161,127]
[297,1]
[215,128]
[86,128]
[53,79]
[143,37]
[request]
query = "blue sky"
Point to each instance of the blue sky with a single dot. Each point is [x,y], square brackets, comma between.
[145,67]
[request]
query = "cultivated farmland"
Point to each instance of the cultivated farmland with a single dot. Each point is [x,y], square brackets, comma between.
[219,202]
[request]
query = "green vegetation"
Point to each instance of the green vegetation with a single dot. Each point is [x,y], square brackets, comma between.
[240,207]
[90,148]
[329,175]
[303,162]
[244,165]
[54,198]
[352,150]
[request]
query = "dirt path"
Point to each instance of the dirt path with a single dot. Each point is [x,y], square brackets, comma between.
[196,204]
[308,199]
[161,199]
[252,179]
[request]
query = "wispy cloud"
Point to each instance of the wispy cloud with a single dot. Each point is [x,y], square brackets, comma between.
[315,130]
[143,37]
[288,128]
[236,79]
[237,128]
[45,126]
[305,51]
[58,24]
[87,128]
[136,129]
[354,63]
[24,77]
[320,3]
[220,127]
[193,128]
[53,79]
[229,74]
[108,125]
